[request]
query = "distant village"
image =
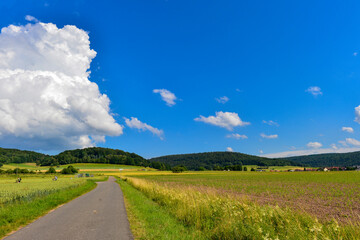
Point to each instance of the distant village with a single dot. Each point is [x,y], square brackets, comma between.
[322,169]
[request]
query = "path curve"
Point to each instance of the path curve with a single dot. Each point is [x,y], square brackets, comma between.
[99,214]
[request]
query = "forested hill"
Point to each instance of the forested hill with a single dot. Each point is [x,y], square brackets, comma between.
[87,155]
[209,160]
[19,156]
[99,155]
[328,159]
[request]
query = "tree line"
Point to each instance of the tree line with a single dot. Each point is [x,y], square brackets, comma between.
[87,155]
[219,160]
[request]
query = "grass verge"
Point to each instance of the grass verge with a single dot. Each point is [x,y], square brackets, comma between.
[14,215]
[148,220]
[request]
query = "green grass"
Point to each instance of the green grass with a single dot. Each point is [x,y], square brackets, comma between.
[20,213]
[148,220]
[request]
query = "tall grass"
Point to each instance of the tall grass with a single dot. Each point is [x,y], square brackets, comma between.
[227,217]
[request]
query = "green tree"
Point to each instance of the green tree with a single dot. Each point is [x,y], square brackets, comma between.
[178,169]
[51,170]
[69,170]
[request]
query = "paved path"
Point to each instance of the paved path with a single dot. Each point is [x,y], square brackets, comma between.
[99,215]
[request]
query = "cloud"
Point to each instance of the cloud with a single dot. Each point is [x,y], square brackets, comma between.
[355,54]
[137,124]
[46,99]
[314,145]
[333,146]
[353,141]
[315,91]
[166,96]
[271,123]
[309,152]
[31,18]
[261,151]
[229,149]
[236,136]
[269,136]
[227,120]
[347,129]
[357,114]
[343,143]
[222,100]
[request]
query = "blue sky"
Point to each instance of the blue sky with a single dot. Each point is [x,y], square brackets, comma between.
[263,56]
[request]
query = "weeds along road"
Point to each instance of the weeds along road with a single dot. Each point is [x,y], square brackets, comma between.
[99,214]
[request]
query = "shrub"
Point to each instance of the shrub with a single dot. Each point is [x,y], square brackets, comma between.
[69,170]
[178,169]
[51,170]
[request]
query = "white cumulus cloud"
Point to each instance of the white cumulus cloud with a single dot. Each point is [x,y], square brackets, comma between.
[229,149]
[137,124]
[314,90]
[353,141]
[46,99]
[269,136]
[236,136]
[314,145]
[227,120]
[222,100]
[166,96]
[347,129]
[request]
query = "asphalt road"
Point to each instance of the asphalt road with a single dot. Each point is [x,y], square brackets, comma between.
[99,214]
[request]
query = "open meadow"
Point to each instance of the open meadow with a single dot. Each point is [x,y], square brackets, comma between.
[258,205]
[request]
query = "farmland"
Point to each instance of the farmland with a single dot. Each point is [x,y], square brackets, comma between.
[299,205]
[31,187]
[93,167]
[22,202]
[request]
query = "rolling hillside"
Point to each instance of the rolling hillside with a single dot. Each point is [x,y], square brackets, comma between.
[209,160]
[327,160]
[20,156]
[86,155]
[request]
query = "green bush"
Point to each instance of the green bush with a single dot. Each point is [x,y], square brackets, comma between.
[51,170]
[69,170]
[178,169]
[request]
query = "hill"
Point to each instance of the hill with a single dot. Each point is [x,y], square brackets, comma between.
[21,156]
[327,159]
[209,160]
[86,155]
